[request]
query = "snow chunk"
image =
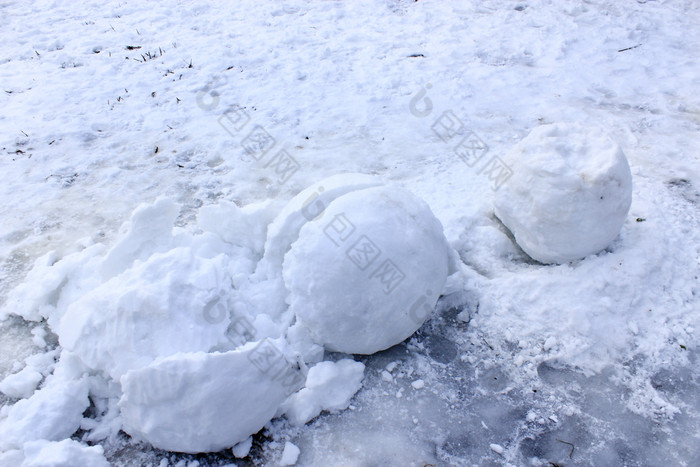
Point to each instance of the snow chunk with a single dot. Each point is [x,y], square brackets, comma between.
[154,309]
[244,226]
[418,384]
[149,231]
[290,454]
[497,448]
[21,384]
[204,402]
[242,449]
[569,194]
[329,386]
[66,453]
[366,275]
[40,294]
[52,413]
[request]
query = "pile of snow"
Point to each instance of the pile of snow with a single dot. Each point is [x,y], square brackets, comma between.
[193,340]
[569,194]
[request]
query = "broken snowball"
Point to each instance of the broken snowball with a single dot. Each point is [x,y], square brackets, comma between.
[205,402]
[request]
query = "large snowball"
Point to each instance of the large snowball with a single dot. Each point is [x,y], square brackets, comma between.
[569,194]
[365,275]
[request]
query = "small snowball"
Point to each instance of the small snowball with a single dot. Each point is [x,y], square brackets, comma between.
[569,194]
[290,454]
[367,274]
[386,376]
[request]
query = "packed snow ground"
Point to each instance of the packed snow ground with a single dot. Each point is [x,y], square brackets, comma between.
[593,362]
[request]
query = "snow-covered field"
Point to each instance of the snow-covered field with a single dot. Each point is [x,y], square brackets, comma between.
[122,120]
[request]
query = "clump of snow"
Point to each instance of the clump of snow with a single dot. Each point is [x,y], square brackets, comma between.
[418,384]
[244,226]
[22,384]
[290,454]
[497,448]
[53,413]
[569,194]
[366,275]
[153,309]
[66,453]
[242,449]
[329,386]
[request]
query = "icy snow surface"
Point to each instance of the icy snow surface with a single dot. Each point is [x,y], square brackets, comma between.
[148,115]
